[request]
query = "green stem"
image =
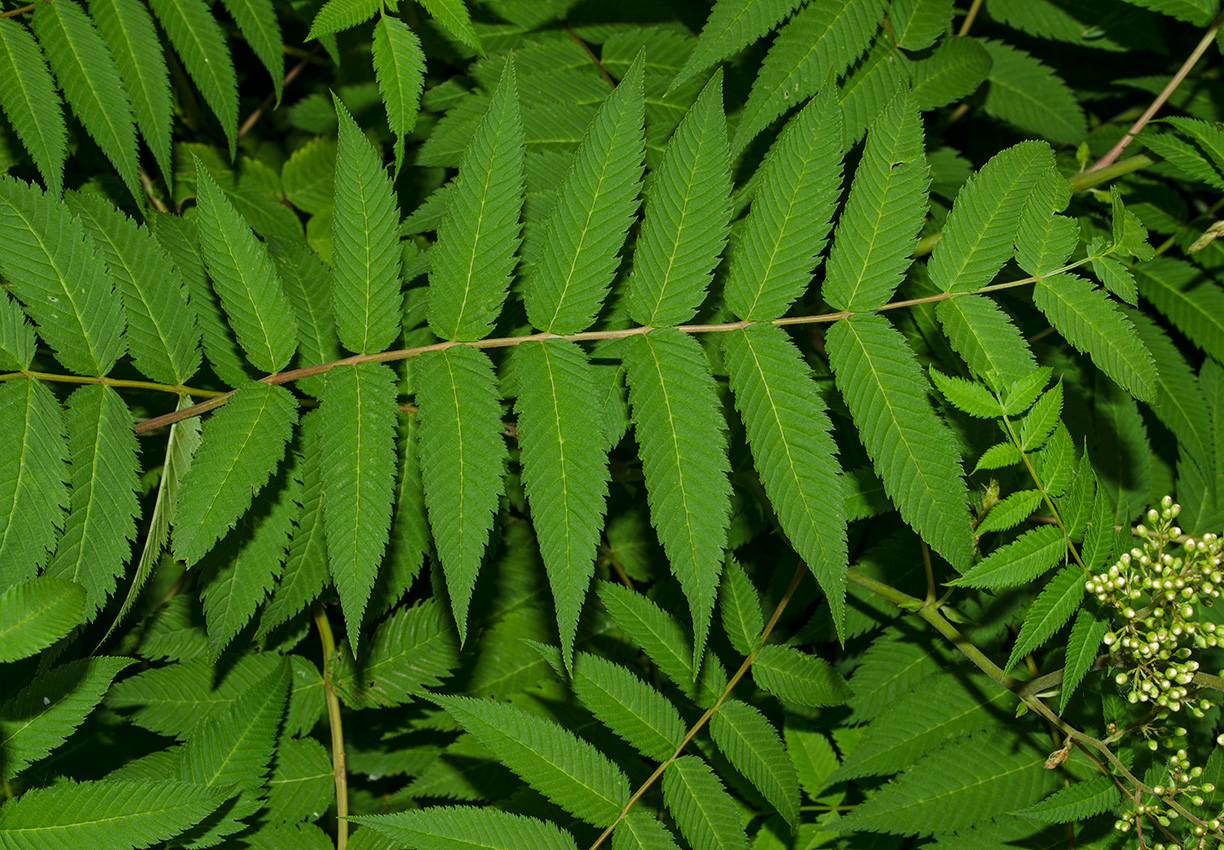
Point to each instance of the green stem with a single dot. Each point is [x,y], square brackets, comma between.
[1088,179]
[177,389]
[337,730]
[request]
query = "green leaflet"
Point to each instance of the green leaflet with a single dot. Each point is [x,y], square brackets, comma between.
[33,494]
[688,216]
[246,564]
[967,396]
[642,831]
[1045,241]
[564,768]
[680,429]
[102,509]
[731,26]
[878,78]
[791,214]
[789,432]
[954,71]
[399,65]
[1029,556]
[365,290]
[307,284]
[306,570]
[257,21]
[1039,423]
[58,277]
[703,810]
[89,77]
[115,815]
[879,225]
[468,828]
[632,709]
[978,234]
[918,23]
[233,748]
[594,208]
[463,456]
[308,176]
[740,608]
[31,104]
[1179,399]
[245,279]
[411,650]
[338,15]
[179,238]
[798,677]
[1091,322]
[1010,512]
[200,43]
[1087,632]
[940,711]
[1197,12]
[981,333]
[1027,94]
[664,642]
[472,262]
[1058,600]
[1076,803]
[956,787]
[409,544]
[183,440]
[302,783]
[17,341]
[357,467]
[754,747]
[241,445]
[823,38]
[37,612]
[913,450]
[565,470]
[41,716]
[1188,297]
[453,15]
[813,756]
[161,332]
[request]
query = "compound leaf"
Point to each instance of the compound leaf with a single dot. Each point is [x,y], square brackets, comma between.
[31,103]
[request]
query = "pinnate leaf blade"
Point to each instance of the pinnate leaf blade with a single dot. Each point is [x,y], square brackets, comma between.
[31,103]
[37,612]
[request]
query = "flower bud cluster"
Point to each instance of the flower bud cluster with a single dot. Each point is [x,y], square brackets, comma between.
[1180,782]
[1157,591]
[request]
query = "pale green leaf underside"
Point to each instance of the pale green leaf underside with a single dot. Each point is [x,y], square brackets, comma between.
[679,426]
[913,450]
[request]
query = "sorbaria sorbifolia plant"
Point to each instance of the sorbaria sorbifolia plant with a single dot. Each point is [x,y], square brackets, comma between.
[550,425]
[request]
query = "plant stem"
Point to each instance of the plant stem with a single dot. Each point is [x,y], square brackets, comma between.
[1168,90]
[709,712]
[337,730]
[586,336]
[970,17]
[177,389]
[1088,179]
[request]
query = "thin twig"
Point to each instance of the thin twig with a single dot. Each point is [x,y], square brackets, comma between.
[586,336]
[178,389]
[970,17]
[1168,90]
[594,59]
[21,10]
[270,99]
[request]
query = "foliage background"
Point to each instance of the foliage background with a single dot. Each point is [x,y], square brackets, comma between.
[359,489]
